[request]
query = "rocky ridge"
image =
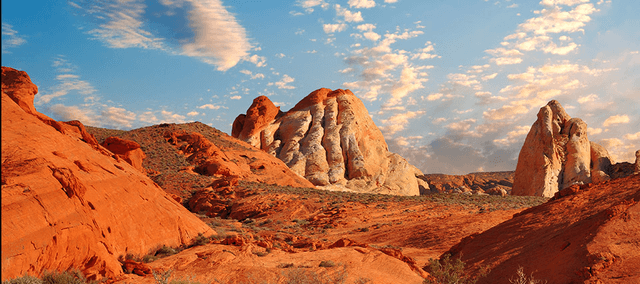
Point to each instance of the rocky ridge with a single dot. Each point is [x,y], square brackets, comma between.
[585,234]
[493,183]
[330,139]
[69,202]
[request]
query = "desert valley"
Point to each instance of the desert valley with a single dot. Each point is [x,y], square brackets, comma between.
[308,195]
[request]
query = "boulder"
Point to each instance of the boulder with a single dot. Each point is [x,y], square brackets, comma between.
[67,203]
[557,153]
[329,139]
[126,149]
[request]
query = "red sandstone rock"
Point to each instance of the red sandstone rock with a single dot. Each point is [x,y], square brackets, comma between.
[128,150]
[66,204]
[587,234]
[557,154]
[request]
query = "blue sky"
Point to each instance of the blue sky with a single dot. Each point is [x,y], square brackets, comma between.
[453,85]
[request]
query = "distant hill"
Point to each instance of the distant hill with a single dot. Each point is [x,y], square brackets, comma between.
[495,183]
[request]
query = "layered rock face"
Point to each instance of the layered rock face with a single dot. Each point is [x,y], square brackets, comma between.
[330,139]
[557,154]
[68,202]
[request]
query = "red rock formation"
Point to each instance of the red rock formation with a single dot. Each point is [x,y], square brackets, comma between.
[248,165]
[330,139]
[259,115]
[67,203]
[557,154]
[128,150]
[586,234]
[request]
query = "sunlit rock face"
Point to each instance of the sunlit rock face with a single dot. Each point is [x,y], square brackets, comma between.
[330,139]
[68,202]
[557,153]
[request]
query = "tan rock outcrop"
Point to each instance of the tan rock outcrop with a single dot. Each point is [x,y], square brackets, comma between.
[557,153]
[637,162]
[330,139]
[68,203]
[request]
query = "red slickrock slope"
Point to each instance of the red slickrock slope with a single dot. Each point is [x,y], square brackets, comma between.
[69,202]
[587,234]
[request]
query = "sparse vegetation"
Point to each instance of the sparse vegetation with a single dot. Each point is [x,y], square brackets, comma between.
[327,263]
[522,278]
[53,277]
[447,271]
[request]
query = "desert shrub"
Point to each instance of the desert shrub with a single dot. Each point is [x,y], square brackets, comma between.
[522,278]
[327,263]
[200,240]
[27,279]
[447,271]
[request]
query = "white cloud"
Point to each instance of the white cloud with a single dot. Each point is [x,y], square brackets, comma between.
[372,36]
[433,97]
[513,136]
[309,4]
[209,106]
[235,97]
[398,122]
[460,126]
[594,131]
[366,27]
[632,136]
[170,117]
[349,16]
[66,83]
[283,84]
[390,1]
[118,117]
[10,38]
[280,55]
[218,37]
[505,112]
[332,28]
[193,113]
[259,61]
[66,113]
[489,77]
[362,4]
[586,99]
[615,119]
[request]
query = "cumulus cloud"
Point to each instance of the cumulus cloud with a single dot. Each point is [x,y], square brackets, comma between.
[348,15]
[118,117]
[332,28]
[284,83]
[366,27]
[398,122]
[193,113]
[362,4]
[210,106]
[10,38]
[66,113]
[586,99]
[309,4]
[616,119]
[515,136]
